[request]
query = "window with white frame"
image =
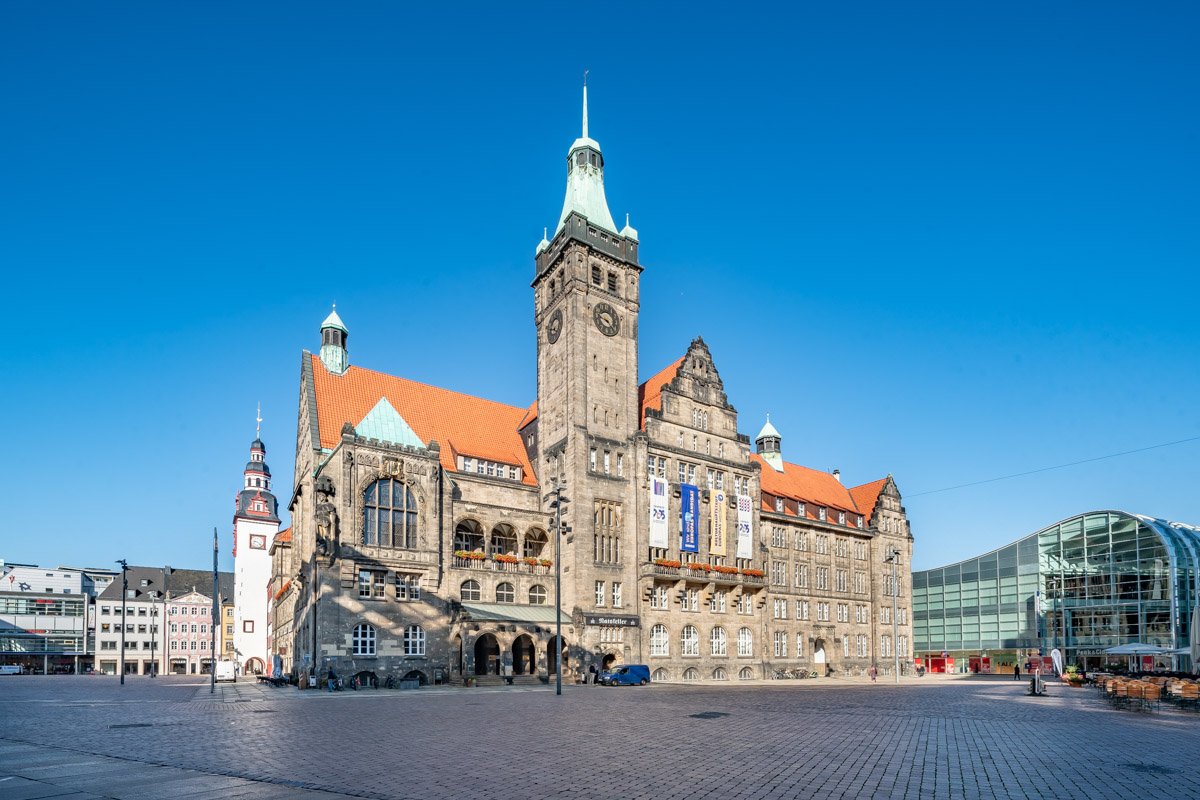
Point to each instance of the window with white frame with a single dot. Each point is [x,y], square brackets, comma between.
[691,600]
[842,580]
[537,595]
[745,642]
[745,604]
[716,601]
[659,597]
[779,504]
[414,640]
[802,609]
[717,641]
[408,586]
[689,641]
[822,545]
[846,646]
[616,594]
[802,576]
[660,641]
[691,474]
[712,479]
[902,643]
[599,593]
[843,612]
[781,648]
[363,640]
[821,513]
[822,577]
[370,583]
[620,464]
[779,573]
[469,590]
[778,536]
[860,583]
[592,459]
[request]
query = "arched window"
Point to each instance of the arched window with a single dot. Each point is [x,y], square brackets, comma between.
[717,641]
[363,640]
[537,596]
[390,515]
[414,640]
[468,536]
[535,543]
[505,593]
[719,674]
[746,674]
[690,674]
[660,641]
[659,675]
[689,641]
[745,642]
[470,590]
[504,541]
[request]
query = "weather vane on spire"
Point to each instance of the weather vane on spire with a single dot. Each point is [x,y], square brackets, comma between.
[585,132]
[258,419]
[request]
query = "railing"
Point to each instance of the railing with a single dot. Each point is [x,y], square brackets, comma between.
[488,565]
[711,575]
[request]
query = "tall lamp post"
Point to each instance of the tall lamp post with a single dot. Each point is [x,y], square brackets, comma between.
[124,591]
[216,617]
[894,557]
[558,504]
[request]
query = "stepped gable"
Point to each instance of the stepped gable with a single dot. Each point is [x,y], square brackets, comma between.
[867,496]
[459,423]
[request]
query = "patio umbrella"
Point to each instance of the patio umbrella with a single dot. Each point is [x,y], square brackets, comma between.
[1136,649]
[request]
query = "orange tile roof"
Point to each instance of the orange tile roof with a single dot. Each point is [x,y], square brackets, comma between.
[650,392]
[459,423]
[284,535]
[814,487]
[530,416]
[867,495]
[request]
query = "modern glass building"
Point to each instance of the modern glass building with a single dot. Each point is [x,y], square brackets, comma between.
[1082,585]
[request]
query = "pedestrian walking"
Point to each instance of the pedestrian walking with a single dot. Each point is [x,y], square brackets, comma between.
[873,672]
[1016,672]
[595,672]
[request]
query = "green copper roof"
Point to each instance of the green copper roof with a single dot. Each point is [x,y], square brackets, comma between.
[334,321]
[511,612]
[768,431]
[385,424]
[585,183]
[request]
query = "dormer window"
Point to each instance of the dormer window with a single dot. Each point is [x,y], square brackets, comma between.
[821,513]
[779,504]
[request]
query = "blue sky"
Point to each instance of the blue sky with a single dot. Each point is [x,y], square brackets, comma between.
[950,241]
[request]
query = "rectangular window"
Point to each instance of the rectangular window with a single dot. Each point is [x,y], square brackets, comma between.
[592,460]
[616,594]
[821,513]
[799,646]
[779,573]
[682,472]
[408,587]
[712,479]
[620,464]
[691,600]
[599,593]
[841,517]
[370,583]
[606,458]
[662,468]
[745,604]
[716,602]
[721,481]
[229,630]
[691,474]
[779,504]
[247,626]
[612,282]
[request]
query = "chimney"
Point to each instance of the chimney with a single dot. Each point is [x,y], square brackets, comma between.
[837,474]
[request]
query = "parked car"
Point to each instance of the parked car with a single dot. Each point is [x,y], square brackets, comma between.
[226,671]
[627,675]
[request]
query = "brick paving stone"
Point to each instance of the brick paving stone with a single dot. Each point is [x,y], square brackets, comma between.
[931,737]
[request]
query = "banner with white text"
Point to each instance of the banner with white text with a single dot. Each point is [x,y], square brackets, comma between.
[717,544]
[658,513]
[744,534]
[689,518]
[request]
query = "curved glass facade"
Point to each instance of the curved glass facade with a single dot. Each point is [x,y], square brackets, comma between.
[1082,585]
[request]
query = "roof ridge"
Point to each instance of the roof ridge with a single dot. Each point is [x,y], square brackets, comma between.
[422,383]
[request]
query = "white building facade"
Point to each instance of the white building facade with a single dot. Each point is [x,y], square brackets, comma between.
[255,523]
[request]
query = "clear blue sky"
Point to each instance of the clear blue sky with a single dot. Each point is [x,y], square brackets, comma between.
[950,241]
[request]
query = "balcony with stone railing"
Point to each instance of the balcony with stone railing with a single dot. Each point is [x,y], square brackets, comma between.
[501,563]
[707,573]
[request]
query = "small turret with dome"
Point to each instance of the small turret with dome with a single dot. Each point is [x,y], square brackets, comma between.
[255,500]
[333,343]
[767,445]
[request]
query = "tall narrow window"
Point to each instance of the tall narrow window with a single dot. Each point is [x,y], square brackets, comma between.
[389,515]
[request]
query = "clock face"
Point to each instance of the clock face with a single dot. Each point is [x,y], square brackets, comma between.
[554,326]
[258,542]
[606,319]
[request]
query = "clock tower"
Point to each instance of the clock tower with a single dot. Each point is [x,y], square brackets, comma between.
[255,522]
[586,301]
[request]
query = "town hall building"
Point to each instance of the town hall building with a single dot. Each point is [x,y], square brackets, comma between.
[423,529]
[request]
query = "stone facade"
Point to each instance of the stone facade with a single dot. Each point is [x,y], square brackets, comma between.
[461,580]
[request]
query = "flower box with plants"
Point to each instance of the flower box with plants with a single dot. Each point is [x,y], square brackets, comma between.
[753,573]
[696,566]
[666,562]
[470,555]
[545,562]
[726,570]
[505,559]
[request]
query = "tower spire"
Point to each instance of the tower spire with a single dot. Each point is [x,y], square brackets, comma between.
[585,133]
[258,420]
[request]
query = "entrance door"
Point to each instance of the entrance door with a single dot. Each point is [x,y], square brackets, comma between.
[609,660]
[819,651]
[487,655]
[523,654]
[551,663]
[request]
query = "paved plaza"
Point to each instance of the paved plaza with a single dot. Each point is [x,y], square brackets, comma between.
[933,737]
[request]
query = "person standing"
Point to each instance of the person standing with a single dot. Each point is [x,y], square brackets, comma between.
[873,672]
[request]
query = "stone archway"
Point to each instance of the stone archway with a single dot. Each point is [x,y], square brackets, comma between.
[254,666]
[610,660]
[818,651]
[551,663]
[487,655]
[457,654]
[524,655]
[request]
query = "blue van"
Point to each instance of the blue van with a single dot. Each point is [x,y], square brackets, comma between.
[627,675]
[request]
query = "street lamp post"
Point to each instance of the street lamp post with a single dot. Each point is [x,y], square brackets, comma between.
[124,591]
[560,501]
[894,557]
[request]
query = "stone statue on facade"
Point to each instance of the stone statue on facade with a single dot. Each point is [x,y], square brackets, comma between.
[326,518]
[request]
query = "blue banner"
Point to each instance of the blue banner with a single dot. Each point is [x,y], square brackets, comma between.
[689,518]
